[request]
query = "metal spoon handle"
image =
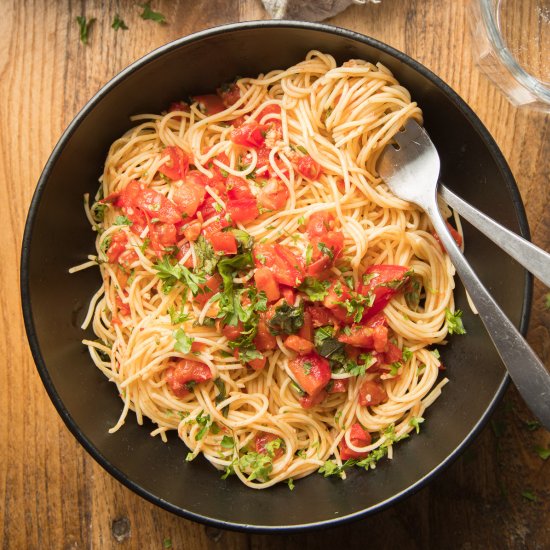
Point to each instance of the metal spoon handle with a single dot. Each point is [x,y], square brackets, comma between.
[527,371]
[531,257]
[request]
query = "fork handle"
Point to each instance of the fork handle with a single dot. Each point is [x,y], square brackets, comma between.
[531,257]
[526,369]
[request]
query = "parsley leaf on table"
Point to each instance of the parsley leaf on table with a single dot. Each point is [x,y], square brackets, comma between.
[151,15]
[119,23]
[84,27]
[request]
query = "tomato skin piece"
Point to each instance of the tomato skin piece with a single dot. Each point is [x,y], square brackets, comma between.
[223,242]
[265,282]
[311,371]
[319,269]
[339,385]
[269,110]
[337,294]
[298,344]
[188,197]
[123,308]
[319,223]
[232,332]
[274,195]
[117,246]
[321,316]
[454,234]
[392,354]
[384,274]
[262,439]
[289,294]
[212,286]
[242,210]
[258,364]
[306,330]
[209,104]
[308,168]
[178,106]
[154,204]
[309,401]
[358,437]
[372,393]
[264,340]
[185,371]
[177,166]
[161,236]
[286,267]
[192,230]
[361,337]
[250,134]
[127,258]
[229,94]
[238,188]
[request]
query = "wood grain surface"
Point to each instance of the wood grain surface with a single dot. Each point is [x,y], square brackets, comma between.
[52,494]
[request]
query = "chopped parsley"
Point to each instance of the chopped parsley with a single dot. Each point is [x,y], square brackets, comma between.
[177,317]
[149,14]
[167,543]
[183,342]
[205,422]
[529,495]
[170,274]
[325,250]
[122,220]
[454,322]
[357,303]
[227,442]
[207,260]
[330,468]
[290,483]
[412,294]
[119,23]
[532,425]
[309,254]
[222,395]
[543,452]
[315,289]
[84,27]
[415,422]
[259,465]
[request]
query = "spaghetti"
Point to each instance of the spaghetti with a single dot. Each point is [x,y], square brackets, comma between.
[264,294]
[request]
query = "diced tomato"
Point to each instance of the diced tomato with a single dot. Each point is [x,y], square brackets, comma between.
[178,106]
[250,134]
[274,195]
[319,223]
[319,269]
[206,290]
[243,210]
[298,344]
[337,294]
[238,188]
[258,364]
[210,104]
[358,437]
[127,258]
[339,385]
[289,294]
[372,393]
[117,246]
[264,340]
[214,227]
[198,346]
[224,242]
[286,267]
[186,371]
[262,439]
[269,110]
[177,166]
[454,233]
[232,332]
[239,121]
[386,282]
[392,354]
[192,230]
[321,316]
[123,307]
[263,157]
[265,282]
[330,244]
[309,168]
[161,236]
[155,204]
[380,338]
[181,252]
[309,401]
[306,330]
[377,320]
[229,94]
[138,219]
[189,196]
[361,337]
[311,371]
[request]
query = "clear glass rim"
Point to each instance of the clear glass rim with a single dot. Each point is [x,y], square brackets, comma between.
[527,80]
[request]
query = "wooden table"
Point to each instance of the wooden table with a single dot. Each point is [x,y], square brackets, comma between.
[52,494]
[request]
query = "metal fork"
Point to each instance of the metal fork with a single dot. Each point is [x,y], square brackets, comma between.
[411,170]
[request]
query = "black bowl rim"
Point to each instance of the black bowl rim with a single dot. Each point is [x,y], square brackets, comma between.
[466,111]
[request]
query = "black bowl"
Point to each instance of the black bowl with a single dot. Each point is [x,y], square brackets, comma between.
[57,236]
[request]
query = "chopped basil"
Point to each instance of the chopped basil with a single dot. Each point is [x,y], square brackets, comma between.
[287,319]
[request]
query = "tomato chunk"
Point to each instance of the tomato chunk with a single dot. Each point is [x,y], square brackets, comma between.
[273,195]
[157,206]
[265,282]
[223,242]
[189,196]
[262,439]
[339,385]
[264,340]
[358,437]
[117,246]
[229,94]
[206,290]
[177,165]
[287,268]
[309,168]
[311,371]
[298,344]
[308,401]
[192,230]
[250,134]
[242,210]
[384,281]
[321,316]
[372,393]
[259,363]
[238,188]
[319,223]
[183,372]
[161,236]
[209,104]
[454,233]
